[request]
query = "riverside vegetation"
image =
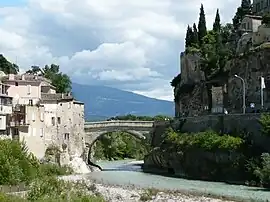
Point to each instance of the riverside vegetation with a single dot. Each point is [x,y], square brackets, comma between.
[21,168]
[212,156]
[121,145]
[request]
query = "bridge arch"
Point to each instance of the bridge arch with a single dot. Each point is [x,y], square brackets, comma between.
[89,145]
[95,130]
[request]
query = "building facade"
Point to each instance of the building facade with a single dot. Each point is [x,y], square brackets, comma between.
[41,117]
[5,111]
[261,6]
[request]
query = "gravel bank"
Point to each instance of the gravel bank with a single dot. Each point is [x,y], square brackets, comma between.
[132,194]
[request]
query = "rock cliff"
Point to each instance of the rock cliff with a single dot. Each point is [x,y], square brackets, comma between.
[250,67]
[192,94]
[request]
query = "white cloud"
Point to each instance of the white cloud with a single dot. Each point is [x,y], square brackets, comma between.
[129,44]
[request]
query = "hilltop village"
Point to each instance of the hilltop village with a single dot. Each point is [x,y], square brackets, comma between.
[32,112]
[207,82]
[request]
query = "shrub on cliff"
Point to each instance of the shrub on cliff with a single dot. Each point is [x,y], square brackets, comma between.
[265,123]
[266,19]
[208,140]
[263,172]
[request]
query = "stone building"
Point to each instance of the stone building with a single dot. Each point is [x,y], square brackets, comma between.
[261,6]
[250,33]
[5,111]
[64,121]
[41,117]
[254,33]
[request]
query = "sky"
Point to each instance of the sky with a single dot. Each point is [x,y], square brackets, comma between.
[132,45]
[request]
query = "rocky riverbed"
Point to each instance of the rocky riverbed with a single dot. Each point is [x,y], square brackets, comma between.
[132,194]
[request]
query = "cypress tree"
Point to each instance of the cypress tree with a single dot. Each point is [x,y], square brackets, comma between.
[189,36]
[217,25]
[246,6]
[202,31]
[195,40]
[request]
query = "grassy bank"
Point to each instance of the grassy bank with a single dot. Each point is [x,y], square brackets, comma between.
[18,167]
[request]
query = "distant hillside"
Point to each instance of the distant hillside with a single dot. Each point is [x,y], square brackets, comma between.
[104,102]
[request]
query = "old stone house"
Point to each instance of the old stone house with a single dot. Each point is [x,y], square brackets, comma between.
[41,117]
[261,6]
[254,33]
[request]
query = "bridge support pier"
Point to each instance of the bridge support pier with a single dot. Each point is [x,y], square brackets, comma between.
[87,157]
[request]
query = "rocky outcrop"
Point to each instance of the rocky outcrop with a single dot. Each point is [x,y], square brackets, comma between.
[190,69]
[195,164]
[190,93]
[250,67]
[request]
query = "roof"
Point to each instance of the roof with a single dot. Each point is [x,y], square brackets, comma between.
[55,97]
[78,102]
[256,17]
[25,77]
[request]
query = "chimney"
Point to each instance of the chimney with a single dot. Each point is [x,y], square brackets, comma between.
[11,77]
[62,95]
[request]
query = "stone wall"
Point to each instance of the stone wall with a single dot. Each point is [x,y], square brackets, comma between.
[237,124]
[197,163]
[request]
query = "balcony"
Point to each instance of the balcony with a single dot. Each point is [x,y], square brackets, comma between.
[18,117]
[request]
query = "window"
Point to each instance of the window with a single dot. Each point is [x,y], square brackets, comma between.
[248,26]
[257,7]
[66,136]
[42,116]
[28,89]
[34,131]
[16,84]
[41,132]
[33,116]
[53,121]
[31,102]
[58,120]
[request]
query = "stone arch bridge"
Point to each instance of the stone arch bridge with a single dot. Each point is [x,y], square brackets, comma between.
[94,130]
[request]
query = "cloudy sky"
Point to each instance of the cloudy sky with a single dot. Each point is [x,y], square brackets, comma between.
[128,44]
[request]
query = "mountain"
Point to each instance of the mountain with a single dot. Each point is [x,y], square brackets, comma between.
[103,102]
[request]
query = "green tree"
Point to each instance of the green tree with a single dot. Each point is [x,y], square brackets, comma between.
[61,81]
[195,40]
[244,9]
[189,37]
[202,31]
[266,19]
[8,67]
[217,25]
[215,52]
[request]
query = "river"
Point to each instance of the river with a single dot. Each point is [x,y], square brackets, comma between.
[128,172]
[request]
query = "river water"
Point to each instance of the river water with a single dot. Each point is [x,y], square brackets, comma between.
[128,172]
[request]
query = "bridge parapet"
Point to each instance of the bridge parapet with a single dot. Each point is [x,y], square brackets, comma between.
[102,124]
